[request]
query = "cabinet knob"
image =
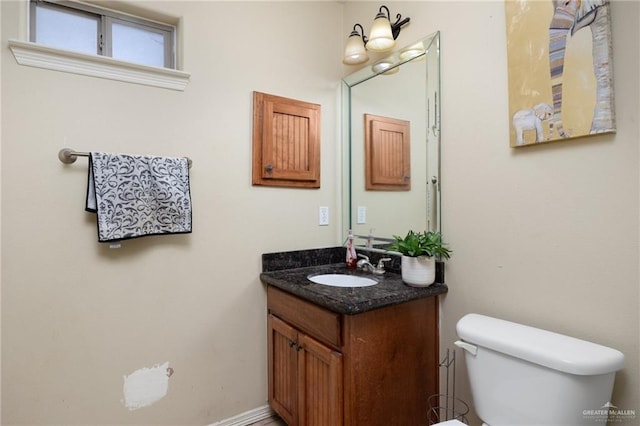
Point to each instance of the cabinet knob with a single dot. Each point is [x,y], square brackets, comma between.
[268,168]
[294,345]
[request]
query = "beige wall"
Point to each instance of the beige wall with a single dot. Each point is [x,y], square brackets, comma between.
[77,316]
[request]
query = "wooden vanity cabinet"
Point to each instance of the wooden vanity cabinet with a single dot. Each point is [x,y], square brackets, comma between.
[374,368]
[305,377]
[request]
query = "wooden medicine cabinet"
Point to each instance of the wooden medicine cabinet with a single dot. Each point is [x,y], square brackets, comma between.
[286,142]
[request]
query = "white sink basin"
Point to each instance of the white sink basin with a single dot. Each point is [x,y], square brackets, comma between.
[342,280]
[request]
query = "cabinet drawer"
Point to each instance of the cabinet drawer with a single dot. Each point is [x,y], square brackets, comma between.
[320,323]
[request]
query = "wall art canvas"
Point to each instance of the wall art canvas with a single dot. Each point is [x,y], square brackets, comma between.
[560,74]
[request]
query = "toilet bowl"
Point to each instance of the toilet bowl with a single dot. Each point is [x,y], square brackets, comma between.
[524,376]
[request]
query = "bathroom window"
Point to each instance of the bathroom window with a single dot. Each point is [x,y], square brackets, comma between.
[91,30]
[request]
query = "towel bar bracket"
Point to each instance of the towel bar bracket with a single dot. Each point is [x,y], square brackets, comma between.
[68,156]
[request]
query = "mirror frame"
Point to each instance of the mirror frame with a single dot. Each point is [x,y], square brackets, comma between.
[429,44]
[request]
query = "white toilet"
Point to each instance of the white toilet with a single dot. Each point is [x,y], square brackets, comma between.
[526,376]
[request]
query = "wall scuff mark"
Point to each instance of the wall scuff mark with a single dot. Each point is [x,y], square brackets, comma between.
[146,386]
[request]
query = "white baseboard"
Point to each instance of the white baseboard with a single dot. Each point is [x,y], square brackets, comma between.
[248,417]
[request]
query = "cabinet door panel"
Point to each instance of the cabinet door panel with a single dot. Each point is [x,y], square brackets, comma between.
[320,384]
[283,370]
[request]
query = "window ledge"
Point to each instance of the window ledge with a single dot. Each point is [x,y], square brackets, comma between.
[39,56]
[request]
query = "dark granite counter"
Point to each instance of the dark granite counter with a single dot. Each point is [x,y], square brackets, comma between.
[288,271]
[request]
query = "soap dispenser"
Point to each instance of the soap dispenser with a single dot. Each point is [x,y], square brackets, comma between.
[352,257]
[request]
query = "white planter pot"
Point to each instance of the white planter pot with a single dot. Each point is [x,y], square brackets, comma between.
[418,271]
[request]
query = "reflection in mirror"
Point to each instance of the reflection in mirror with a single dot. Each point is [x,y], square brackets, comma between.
[402,88]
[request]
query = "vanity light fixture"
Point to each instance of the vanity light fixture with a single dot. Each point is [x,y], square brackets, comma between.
[382,37]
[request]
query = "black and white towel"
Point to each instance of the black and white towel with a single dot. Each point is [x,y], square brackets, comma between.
[138,195]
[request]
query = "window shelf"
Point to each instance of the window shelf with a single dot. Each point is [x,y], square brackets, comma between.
[39,56]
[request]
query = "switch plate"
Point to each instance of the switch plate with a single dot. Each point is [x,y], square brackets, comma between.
[362,215]
[323,216]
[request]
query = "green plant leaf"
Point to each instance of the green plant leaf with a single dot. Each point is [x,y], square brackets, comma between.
[416,244]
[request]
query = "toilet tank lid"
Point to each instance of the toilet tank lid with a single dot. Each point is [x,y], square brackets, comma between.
[538,346]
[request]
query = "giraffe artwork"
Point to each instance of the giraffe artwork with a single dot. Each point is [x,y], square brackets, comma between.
[559,55]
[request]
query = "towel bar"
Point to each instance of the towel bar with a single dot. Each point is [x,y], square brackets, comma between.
[68,156]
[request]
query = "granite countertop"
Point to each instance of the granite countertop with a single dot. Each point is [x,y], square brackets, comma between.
[351,300]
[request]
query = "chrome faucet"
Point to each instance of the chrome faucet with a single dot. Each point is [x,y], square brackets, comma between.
[366,265]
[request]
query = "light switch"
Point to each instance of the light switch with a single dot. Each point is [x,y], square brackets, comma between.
[362,215]
[323,216]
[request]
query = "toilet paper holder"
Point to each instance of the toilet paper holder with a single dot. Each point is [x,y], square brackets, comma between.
[446,406]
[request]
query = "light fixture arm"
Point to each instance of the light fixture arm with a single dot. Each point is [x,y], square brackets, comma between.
[388,15]
[359,34]
[397,26]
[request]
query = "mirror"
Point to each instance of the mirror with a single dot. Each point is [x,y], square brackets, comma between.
[404,86]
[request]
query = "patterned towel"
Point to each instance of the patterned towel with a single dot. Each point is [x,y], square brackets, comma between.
[137,195]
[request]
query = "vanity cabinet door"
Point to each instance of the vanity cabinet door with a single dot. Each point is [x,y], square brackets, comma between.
[320,384]
[305,377]
[283,370]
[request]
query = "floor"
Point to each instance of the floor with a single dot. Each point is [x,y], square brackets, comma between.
[272,421]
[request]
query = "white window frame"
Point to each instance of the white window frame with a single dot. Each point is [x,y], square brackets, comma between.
[37,55]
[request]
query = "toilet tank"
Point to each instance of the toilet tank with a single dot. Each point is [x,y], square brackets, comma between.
[522,375]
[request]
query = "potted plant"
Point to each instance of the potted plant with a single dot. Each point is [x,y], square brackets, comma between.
[419,252]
